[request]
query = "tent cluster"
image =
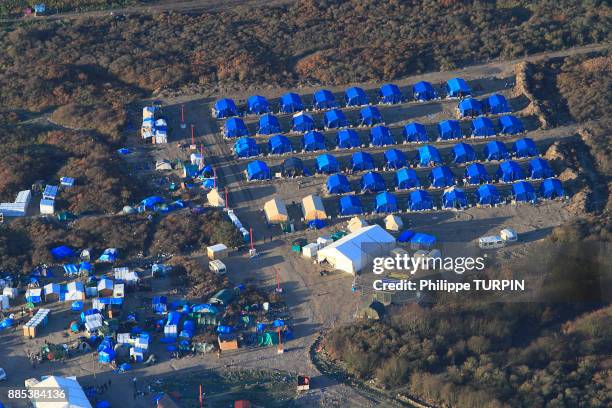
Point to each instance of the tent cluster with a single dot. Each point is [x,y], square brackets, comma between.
[494,104]
[154,127]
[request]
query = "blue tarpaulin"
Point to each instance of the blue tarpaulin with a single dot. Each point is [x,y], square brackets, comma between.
[523,191]
[482,127]
[406,236]
[420,200]
[441,177]
[291,102]
[225,108]
[268,125]
[338,184]
[390,93]
[539,169]
[355,96]
[370,116]
[302,122]
[109,255]
[457,87]
[373,182]
[476,173]
[350,205]
[235,127]
[454,198]
[496,150]
[463,153]
[150,203]
[551,188]
[470,107]
[395,159]
[449,129]
[327,164]
[316,224]
[509,171]
[258,170]
[313,141]
[422,241]
[423,91]
[361,161]
[334,118]
[406,178]
[323,99]
[347,139]
[257,105]
[71,269]
[429,155]
[487,194]
[246,147]
[279,144]
[525,147]
[497,103]
[386,202]
[415,132]
[62,252]
[381,136]
[510,125]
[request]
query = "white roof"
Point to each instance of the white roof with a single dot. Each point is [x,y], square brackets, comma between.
[23,196]
[75,396]
[217,247]
[52,288]
[75,287]
[33,292]
[105,284]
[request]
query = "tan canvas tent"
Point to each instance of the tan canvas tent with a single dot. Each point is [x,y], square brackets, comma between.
[393,223]
[313,209]
[356,224]
[276,211]
[215,199]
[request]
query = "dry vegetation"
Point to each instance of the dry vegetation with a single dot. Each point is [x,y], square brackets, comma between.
[16,7]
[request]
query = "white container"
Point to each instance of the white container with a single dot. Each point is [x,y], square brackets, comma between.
[47,206]
[4,302]
[11,293]
[310,250]
[508,235]
[217,251]
[324,241]
[491,242]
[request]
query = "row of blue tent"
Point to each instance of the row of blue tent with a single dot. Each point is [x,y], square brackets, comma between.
[494,104]
[64,252]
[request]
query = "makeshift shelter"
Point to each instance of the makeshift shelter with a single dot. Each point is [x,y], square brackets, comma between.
[423,91]
[539,169]
[510,125]
[323,99]
[374,311]
[441,176]
[105,287]
[75,291]
[449,129]
[290,103]
[215,198]
[292,167]
[509,171]
[350,205]
[370,116]
[422,241]
[276,211]
[386,202]
[52,292]
[34,295]
[463,153]
[347,139]
[372,182]
[69,393]
[62,252]
[390,93]
[356,250]
[361,161]
[457,88]
[257,170]
[71,269]
[487,194]
[381,136]
[476,173]
[454,197]
[312,207]
[551,188]
[393,223]
[235,127]
[313,141]
[429,155]
[395,159]
[257,105]
[356,223]
[482,127]
[246,147]
[525,147]
[470,107]
[333,119]
[279,144]
[415,132]
[420,200]
[268,125]
[302,122]
[338,184]
[406,178]
[225,108]
[355,96]
[523,191]
[327,164]
[496,150]
[497,103]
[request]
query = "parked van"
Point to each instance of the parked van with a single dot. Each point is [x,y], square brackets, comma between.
[491,242]
[508,235]
[217,267]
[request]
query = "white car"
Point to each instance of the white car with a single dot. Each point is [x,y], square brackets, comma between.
[2,374]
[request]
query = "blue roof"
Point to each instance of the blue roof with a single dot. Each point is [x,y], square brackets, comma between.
[326,163]
[302,122]
[386,202]
[539,169]
[470,107]
[454,198]
[390,93]
[482,127]
[441,176]
[268,125]
[476,173]
[291,102]
[279,144]
[525,147]
[415,132]
[334,119]
[350,205]
[235,127]
[457,87]
[362,161]
[62,252]
[510,125]
[313,141]
[338,184]
[523,191]
[246,147]
[423,240]
[463,153]
[487,194]
[381,136]
[258,105]
[323,99]
[293,166]
[449,129]
[429,155]
[496,150]
[497,103]
[372,181]
[423,91]
[420,200]
[370,116]
[50,192]
[355,96]
[551,188]
[395,159]
[406,178]
[509,171]
[257,170]
[225,108]
[347,139]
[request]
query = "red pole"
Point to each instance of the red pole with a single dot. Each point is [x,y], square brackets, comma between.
[251,236]
[192,135]
[226,198]
[201,399]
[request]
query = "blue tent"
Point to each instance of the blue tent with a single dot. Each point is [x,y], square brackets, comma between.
[405,236]
[62,252]
[539,169]
[326,163]
[370,116]
[487,194]
[302,122]
[361,161]
[313,141]
[338,184]
[482,127]
[457,87]
[381,136]
[454,197]
[422,241]
[551,188]
[386,202]
[525,147]
[350,205]
[246,147]
[109,255]
[372,182]
[470,107]
[347,139]
[258,105]
[390,93]
[106,355]
[476,173]
[323,99]
[523,191]
[316,224]
[406,178]
[449,129]
[497,103]
[293,167]
[415,132]
[225,108]
[355,96]
[463,153]
[279,144]
[495,150]
[510,125]
[268,125]
[423,91]
[395,159]
[334,119]
[441,177]
[150,203]
[429,155]
[291,102]
[71,269]
[257,170]
[85,267]
[77,306]
[509,171]
[235,127]
[420,200]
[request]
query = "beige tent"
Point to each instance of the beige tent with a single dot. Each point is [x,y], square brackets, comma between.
[356,224]
[393,223]
[215,199]
[313,209]
[276,211]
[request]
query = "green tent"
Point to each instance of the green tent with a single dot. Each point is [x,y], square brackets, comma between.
[267,339]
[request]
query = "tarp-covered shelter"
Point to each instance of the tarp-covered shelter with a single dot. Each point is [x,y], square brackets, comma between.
[393,223]
[350,205]
[323,99]
[463,153]
[105,287]
[415,132]
[370,116]
[257,170]
[355,96]
[525,147]
[69,394]
[510,125]
[225,108]
[235,127]
[334,118]
[429,155]
[441,176]
[551,188]
[523,191]
[276,211]
[449,129]
[215,198]
[302,122]
[497,103]
[312,208]
[457,87]
[62,252]
[487,194]
[347,139]
[422,241]
[381,136]
[292,167]
[268,125]
[356,223]
[476,173]
[372,182]
[496,150]
[258,105]
[327,164]
[290,103]
[482,127]
[470,107]
[406,178]
[423,91]
[539,169]
[338,184]
[420,200]
[509,171]
[454,197]
[386,202]
[313,141]
[395,159]
[362,161]
[52,292]
[279,144]
[246,147]
[390,93]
